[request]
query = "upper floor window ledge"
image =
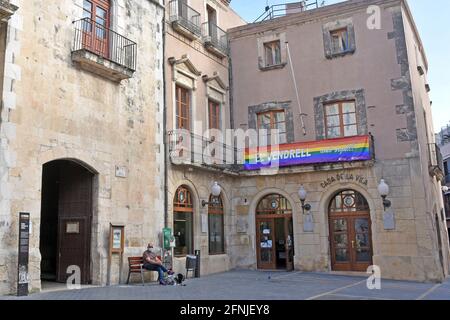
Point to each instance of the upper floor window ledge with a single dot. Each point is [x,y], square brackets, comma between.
[273,67]
[184,19]
[6,10]
[102,51]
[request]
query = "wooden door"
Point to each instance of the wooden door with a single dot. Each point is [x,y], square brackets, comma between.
[96,26]
[351,242]
[265,236]
[73,245]
[74,220]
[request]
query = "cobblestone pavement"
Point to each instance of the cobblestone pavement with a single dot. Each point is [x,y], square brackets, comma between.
[257,285]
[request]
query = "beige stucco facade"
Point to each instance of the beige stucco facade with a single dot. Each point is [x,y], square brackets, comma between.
[397,114]
[53,108]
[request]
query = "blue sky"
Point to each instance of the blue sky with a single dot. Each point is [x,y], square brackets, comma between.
[431,18]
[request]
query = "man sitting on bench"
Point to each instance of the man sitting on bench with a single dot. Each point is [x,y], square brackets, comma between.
[153,263]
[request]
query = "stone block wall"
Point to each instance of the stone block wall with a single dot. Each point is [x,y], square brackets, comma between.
[54,110]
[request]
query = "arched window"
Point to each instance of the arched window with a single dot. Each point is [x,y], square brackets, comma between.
[216,225]
[183,222]
[273,204]
[349,201]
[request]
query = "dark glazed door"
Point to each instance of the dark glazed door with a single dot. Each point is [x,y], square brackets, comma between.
[289,227]
[74,220]
[266,244]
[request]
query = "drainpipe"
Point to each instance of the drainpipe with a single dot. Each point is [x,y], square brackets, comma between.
[166,174]
[296,89]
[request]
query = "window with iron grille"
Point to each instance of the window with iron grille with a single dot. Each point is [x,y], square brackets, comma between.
[216,225]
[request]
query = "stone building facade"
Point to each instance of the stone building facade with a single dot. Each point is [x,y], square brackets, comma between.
[363,61]
[443,139]
[94,114]
[81,135]
[349,73]
[197,82]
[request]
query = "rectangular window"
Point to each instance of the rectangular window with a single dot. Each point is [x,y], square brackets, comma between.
[273,120]
[340,119]
[214,115]
[272,51]
[339,41]
[183,233]
[216,243]
[183,102]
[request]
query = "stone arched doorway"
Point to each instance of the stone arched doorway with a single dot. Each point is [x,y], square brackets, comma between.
[183,222]
[274,233]
[350,232]
[66,220]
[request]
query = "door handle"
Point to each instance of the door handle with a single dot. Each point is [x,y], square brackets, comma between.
[353,244]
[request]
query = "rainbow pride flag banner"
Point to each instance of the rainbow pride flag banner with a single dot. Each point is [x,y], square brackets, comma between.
[314,152]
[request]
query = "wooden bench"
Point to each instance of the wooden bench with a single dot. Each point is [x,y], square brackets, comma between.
[136,265]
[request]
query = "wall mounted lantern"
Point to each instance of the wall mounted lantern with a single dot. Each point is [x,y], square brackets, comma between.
[216,190]
[383,189]
[445,189]
[302,193]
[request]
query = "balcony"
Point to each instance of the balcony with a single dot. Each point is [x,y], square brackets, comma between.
[6,10]
[436,165]
[103,51]
[215,39]
[185,20]
[187,148]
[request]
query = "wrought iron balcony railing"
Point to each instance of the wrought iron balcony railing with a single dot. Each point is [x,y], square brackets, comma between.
[281,10]
[181,15]
[104,42]
[188,148]
[215,37]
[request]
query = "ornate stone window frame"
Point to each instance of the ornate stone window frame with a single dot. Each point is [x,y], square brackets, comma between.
[186,75]
[262,65]
[216,90]
[361,111]
[253,112]
[329,27]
